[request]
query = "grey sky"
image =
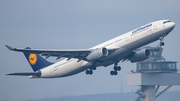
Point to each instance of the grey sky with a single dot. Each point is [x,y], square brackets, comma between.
[69,24]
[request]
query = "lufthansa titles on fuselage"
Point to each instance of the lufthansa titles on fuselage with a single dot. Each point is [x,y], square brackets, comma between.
[142,28]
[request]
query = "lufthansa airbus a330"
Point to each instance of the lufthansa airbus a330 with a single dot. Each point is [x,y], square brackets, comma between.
[118,49]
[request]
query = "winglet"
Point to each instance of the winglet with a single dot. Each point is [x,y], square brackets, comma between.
[9,47]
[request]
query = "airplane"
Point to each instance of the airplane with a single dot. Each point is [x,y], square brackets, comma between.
[121,48]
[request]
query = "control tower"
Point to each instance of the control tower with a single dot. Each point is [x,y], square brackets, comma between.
[152,73]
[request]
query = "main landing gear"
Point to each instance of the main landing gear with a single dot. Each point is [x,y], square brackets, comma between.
[116,68]
[89,71]
[161,43]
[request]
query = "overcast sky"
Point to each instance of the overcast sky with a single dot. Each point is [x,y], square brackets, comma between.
[75,24]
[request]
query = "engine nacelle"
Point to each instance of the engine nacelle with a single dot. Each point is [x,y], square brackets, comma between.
[97,54]
[140,55]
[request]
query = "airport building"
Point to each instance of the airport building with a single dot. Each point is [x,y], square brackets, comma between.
[152,73]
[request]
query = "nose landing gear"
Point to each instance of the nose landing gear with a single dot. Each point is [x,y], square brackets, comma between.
[161,43]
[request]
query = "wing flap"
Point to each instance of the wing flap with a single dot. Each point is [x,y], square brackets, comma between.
[56,53]
[127,57]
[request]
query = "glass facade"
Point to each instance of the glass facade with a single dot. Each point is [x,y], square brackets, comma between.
[156,52]
[156,67]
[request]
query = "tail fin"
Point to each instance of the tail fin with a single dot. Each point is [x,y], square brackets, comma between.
[36,61]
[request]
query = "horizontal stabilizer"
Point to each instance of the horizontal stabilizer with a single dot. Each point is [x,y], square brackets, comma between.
[26,74]
[9,47]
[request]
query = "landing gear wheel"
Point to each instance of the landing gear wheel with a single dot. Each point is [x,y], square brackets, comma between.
[161,43]
[118,68]
[94,68]
[89,72]
[113,72]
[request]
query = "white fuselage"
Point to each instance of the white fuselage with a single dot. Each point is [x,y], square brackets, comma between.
[124,44]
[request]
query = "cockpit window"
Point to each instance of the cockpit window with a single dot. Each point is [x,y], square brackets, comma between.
[166,22]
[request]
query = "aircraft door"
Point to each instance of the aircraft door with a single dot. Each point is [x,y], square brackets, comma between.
[155,27]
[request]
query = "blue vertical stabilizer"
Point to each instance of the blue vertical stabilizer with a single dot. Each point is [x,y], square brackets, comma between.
[36,61]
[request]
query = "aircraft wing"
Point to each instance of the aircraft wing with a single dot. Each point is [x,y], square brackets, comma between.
[128,56]
[79,54]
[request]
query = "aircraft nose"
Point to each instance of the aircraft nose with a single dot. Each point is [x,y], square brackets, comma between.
[172,24]
[170,27]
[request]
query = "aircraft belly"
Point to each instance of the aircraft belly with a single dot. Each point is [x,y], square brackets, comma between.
[65,69]
[74,67]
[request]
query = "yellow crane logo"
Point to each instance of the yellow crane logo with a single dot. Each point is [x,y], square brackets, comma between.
[32,59]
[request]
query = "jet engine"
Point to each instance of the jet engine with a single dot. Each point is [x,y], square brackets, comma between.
[140,55]
[97,54]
